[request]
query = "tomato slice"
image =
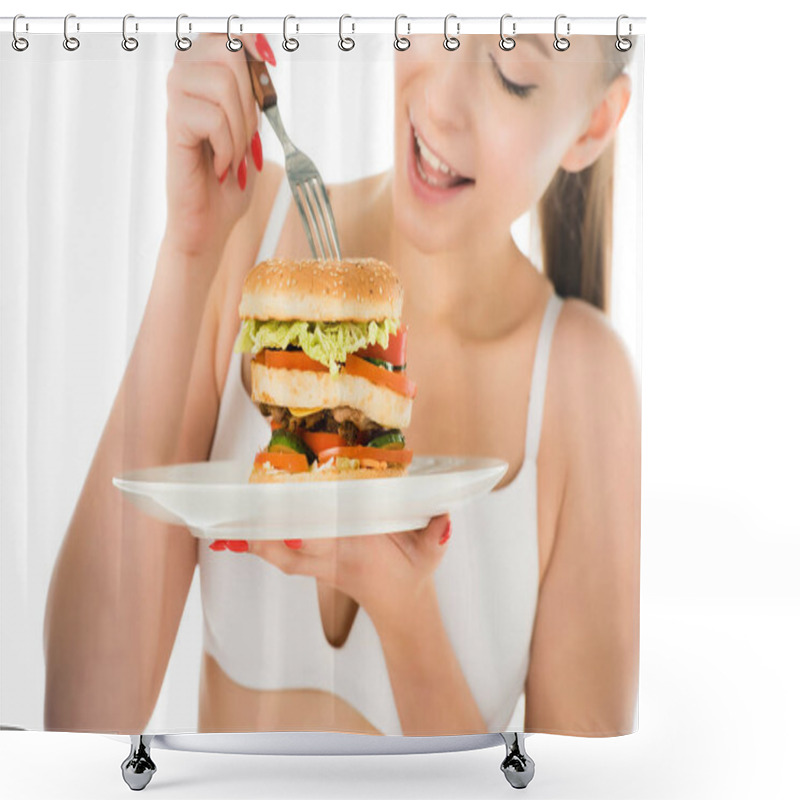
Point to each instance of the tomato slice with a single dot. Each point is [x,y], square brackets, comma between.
[288,359]
[396,381]
[297,359]
[288,462]
[320,440]
[394,353]
[368,453]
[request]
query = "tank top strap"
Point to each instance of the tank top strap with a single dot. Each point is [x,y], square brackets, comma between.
[277,216]
[539,377]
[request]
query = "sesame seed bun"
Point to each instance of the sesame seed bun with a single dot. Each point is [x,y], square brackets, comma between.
[313,290]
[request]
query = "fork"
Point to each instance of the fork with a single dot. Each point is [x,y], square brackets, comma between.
[310,194]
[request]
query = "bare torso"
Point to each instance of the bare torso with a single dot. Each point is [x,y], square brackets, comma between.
[458,392]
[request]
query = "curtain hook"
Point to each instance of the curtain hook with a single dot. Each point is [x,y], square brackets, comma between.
[451,42]
[623,45]
[233,44]
[350,43]
[290,48]
[71,43]
[507,42]
[129,43]
[401,42]
[19,43]
[181,42]
[560,43]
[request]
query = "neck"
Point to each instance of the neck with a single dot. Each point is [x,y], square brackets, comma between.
[474,287]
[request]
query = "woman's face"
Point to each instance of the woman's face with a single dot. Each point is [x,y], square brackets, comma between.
[494,126]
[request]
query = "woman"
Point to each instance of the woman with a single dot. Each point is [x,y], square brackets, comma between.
[488,334]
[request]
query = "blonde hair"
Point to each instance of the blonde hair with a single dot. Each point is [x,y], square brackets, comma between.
[576,218]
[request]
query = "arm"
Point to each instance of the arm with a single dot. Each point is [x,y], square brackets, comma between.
[121,579]
[430,691]
[583,674]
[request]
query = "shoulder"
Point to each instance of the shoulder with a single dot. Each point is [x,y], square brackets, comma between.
[590,367]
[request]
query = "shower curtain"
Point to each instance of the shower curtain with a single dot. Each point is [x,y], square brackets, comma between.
[494,181]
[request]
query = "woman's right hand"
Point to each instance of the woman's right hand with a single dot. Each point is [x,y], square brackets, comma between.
[213,145]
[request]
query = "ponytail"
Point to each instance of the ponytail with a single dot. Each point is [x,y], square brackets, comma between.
[575,216]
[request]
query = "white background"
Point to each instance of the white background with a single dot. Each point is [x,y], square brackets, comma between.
[719,695]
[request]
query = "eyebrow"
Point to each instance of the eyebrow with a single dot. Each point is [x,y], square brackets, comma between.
[536,40]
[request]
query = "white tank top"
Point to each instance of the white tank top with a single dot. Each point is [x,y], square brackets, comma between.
[263,627]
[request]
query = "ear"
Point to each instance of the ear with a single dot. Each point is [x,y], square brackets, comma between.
[602,126]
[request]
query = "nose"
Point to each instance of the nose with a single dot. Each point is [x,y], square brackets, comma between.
[447,95]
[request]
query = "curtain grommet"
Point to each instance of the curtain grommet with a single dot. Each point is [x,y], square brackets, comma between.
[129,43]
[401,43]
[289,48]
[346,43]
[233,44]
[451,43]
[182,43]
[19,43]
[560,43]
[71,43]
[507,42]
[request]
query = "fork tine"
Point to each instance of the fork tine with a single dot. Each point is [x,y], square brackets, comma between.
[304,216]
[329,219]
[313,217]
[319,217]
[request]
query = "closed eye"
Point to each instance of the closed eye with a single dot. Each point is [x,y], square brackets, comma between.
[512,88]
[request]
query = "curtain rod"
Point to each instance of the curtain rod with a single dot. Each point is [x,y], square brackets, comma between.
[302,25]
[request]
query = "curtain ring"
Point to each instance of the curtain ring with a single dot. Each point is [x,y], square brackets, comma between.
[290,48]
[507,42]
[129,43]
[451,42]
[71,43]
[560,43]
[623,45]
[401,42]
[181,42]
[19,43]
[346,43]
[233,44]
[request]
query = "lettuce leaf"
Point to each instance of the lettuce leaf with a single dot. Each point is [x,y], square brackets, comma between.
[326,342]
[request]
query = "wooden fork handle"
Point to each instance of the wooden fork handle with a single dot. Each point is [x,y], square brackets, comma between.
[263,87]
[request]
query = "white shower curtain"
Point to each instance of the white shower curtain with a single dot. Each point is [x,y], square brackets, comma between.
[82,214]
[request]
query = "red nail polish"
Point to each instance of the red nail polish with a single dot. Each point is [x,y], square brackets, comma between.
[258,156]
[264,50]
[223,176]
[295,544]
[446,535]
[241,174]
[218,544]
[238,545]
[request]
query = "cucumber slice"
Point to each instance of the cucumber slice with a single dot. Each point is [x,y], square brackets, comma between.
[384,364]
[389,440]
[284,441]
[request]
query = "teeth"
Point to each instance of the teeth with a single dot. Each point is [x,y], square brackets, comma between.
[432,159]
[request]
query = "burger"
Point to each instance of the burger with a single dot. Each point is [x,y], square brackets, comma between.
[328,368]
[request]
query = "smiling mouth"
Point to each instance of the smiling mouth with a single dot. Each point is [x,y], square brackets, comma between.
[432,169]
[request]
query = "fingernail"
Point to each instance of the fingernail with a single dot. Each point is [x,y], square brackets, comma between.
[258,156]
[238,545]
[241,174]
[223,176]
[264,50]
[446,535]
[295,544]
[218,544]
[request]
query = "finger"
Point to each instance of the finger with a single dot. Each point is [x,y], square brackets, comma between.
[217,84]
[195,121]
[436,534]
[242,73]
[288,561]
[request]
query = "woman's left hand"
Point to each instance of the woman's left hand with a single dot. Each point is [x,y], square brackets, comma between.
[383,573]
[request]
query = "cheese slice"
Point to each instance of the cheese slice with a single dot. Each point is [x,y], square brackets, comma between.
[304,412]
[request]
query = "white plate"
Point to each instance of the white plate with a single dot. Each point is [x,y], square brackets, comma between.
[215,501]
